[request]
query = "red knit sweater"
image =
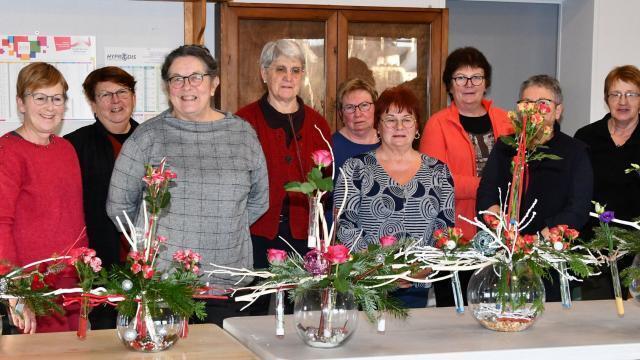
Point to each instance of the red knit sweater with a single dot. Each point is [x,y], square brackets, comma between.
[40,208]
[282,171]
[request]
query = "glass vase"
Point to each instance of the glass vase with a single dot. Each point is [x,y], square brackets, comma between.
[152,329]
[506,298]
[325,318]
[313,234]
[634,287]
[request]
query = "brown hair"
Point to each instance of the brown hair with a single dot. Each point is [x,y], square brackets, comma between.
[627,73]
[353,85]
[462,57]
[401,97]
[39,75]
[107,73]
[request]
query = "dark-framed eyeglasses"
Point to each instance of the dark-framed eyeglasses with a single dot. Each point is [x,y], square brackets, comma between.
[617,96]
[462,80]
[538,102]
[178,81]
[41,99]
[390,121]
[350,108]
[107,96]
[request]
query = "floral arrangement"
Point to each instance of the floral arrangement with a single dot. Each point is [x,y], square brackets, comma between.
[89,269]
[147,290]
[616,242]
[32,284]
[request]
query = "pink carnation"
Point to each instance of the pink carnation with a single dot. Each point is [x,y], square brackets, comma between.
[96,264]
[136,268]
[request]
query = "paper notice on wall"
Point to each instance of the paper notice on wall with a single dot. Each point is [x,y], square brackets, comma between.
[74,56]
[144,64]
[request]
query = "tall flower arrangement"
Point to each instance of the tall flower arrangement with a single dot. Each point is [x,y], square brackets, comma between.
[145,288]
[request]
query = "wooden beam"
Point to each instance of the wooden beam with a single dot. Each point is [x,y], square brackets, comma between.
[195,21]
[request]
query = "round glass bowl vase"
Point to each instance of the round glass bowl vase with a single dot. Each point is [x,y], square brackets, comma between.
[153,329]
[325,318]
[505,297]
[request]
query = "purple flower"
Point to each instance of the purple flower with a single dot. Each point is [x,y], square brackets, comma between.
[606,217]
[315,263]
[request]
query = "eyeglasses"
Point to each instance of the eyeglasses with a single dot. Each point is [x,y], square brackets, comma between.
[195,79]
[107,96]
[41,99]
[617,96]
[391,121]
[281,70]
[350,108]
[462,80]
[538,102]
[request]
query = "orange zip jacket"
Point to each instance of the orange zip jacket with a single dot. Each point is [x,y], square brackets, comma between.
[445,139]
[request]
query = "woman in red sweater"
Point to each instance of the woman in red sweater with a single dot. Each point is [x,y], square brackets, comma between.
[286,128]
[40,187]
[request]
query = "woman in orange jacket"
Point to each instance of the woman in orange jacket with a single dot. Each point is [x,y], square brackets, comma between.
[462,136]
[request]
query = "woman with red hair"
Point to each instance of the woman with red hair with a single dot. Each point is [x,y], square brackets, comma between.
[395,190]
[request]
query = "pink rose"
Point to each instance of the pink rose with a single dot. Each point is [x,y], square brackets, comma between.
[276,256]
[322,158]
[388,240]
[337,254]
[136,268]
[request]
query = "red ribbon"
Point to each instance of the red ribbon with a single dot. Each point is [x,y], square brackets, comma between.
[94,300]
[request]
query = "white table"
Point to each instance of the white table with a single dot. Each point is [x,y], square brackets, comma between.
[590,330]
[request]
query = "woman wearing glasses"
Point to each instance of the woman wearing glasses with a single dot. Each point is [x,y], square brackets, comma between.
[221,187]
[355,108]
[40,188]
[110,92]
[562,187]
[287,131]
[614,144]
[395,190]
[462,136]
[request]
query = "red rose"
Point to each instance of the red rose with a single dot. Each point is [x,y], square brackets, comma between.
[50,280]
[322,158]
[36,283]
[43,267]
[276,256]
[136,268]
[337,254]
[388,240]
[562,228]
[438,234]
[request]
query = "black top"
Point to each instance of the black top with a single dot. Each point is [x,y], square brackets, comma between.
[96,157]
[611,186]
[476,124]
[562,187]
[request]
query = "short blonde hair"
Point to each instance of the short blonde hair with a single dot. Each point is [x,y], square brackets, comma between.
[39,75]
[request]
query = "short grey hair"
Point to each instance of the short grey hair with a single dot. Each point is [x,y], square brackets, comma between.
[282,47]
[544,81]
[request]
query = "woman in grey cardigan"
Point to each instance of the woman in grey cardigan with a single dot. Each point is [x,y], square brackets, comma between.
[222,185]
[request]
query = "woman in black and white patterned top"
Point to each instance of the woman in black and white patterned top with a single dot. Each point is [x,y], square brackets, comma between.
[395,190]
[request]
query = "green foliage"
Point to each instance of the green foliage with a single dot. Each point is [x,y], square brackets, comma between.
[630,274]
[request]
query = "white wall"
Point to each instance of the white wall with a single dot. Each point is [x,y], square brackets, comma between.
[616,27]
[574,70]
[121,23]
